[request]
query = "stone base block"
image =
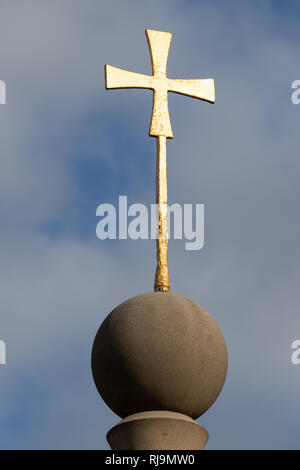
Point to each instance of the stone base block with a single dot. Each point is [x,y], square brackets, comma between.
[157,430]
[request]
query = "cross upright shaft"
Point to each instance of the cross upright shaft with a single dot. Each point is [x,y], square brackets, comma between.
[204,89]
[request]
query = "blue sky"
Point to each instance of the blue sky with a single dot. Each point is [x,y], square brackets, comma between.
[67,145]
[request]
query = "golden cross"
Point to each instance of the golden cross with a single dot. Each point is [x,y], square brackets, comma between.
[204,89]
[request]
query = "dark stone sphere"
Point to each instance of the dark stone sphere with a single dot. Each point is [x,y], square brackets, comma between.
[159,351]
